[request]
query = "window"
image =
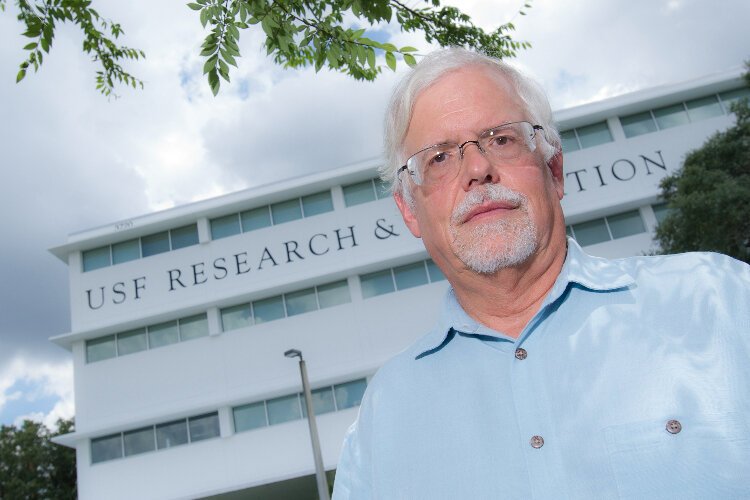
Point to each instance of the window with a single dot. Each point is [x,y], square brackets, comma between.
[292,407]
[594,135]
[286,211]
[132,341]
[184,236]
[268,309]
[638,124]
[671,116]
[607,228]
[150,337]
[100,349]
[236,317]
[204,427]
[289,304]
[256,218]
[248,417]
[155,244]
[96,258]
[193,327]
[732,96]
[705,107]
[318,203]
[661,210]
[139,441]
[163,334]
[586,136]
[225,226]
[106,448]
[377,283]
[300,302]
[362,192]
[349,394]
[410,275]
[626,224]
[283,409]
[126,251]
[333,294]
[171,434]
[399,278]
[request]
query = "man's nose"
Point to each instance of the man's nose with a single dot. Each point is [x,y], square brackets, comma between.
[475,167]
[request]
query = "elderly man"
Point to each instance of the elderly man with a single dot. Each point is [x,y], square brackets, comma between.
[549,373]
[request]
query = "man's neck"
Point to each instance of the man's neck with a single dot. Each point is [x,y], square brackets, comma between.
[507,300]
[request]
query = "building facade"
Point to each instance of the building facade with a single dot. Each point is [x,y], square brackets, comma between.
[179,319]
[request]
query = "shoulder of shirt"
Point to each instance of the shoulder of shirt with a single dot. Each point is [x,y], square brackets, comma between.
[689,266]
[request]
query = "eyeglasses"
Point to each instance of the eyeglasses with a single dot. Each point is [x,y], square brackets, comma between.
[441,163]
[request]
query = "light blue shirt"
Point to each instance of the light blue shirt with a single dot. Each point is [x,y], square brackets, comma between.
[635,384]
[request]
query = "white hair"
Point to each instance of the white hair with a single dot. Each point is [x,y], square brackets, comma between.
[433,67]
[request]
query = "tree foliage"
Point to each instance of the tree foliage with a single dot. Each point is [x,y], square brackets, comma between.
[709,197]
[33,467]
[298,33]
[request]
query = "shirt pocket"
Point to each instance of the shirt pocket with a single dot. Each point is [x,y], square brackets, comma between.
[709,457]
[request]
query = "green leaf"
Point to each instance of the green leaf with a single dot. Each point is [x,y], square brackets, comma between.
[371,58]
[30,46]
[210,63]
[408,49]
[20,75]
[390,60]
[409,59]
[195,6]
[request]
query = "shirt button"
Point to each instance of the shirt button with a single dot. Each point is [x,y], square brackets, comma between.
[536,442]
[521,353]
[674,426]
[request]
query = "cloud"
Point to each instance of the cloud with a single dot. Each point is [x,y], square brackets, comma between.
[39,391]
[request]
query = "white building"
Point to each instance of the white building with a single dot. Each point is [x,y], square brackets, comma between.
[179,319]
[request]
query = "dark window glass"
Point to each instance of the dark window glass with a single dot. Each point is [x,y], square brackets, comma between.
[250,416]
[256,218]
[410,275]
[126,251]
[236,317]
[184,236]
[591,232]
[162,334]
[204,427]
[283,409]
[569,141]
[361,192]
[638,124]
[131,341]
[171,434]
[434,271]
[732,96]
[286,211]
[139,441]
[268,309]
[106,448]
[301,301]
[626,224]
[671,116]
[333,294]
[222,227]
[193,327]
[660,211]
[96,258]
[349,394]
[593,135]
[318,203]
[101,348]
[155,243]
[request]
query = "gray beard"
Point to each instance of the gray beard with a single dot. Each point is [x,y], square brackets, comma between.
[492,246]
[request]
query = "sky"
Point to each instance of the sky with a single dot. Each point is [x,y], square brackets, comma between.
[72,159]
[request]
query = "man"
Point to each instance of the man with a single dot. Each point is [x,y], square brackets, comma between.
[550,373]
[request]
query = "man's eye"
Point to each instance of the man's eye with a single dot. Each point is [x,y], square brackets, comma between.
[500,141]
[439,158]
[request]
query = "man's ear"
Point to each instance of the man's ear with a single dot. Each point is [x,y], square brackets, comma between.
[407,212]
[556,169]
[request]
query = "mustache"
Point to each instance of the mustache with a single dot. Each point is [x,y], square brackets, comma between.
[488,192]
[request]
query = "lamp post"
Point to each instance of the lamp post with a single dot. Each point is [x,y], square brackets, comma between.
[320,473]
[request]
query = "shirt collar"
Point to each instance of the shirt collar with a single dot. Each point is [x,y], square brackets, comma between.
[592,273]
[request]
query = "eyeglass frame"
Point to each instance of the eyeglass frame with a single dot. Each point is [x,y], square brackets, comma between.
[534,128]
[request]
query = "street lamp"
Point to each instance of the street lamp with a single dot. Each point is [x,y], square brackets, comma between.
[320,473]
